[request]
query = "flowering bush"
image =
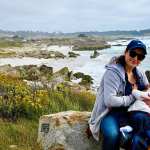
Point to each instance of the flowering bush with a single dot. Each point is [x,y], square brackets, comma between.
[17,99]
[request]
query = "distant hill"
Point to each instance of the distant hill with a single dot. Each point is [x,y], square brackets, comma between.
[117,33]
[38,34]
[24,34]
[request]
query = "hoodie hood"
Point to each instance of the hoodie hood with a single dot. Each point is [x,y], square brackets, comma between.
[118,68]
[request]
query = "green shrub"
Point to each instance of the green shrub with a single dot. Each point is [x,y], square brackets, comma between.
[18,100]
[7,43]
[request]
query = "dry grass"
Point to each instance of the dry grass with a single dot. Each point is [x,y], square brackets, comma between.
[21,135]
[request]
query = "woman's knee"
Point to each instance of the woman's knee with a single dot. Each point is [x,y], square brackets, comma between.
[110,128]
[112,135]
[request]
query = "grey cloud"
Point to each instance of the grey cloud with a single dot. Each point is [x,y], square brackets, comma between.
[74,15]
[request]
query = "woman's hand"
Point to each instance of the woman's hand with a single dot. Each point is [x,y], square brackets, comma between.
[146,99]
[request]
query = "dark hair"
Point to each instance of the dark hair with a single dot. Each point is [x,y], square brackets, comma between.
[121,60]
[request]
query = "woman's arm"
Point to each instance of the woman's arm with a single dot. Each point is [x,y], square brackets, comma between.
[112,82]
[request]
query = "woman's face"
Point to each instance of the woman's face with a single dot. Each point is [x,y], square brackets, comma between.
[134,57]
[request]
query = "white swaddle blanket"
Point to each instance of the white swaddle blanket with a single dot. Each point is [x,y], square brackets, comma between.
[139,104]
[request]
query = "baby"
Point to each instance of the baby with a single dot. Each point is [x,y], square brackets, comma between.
[139,104]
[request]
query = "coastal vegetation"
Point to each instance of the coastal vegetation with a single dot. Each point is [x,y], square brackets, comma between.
[19,47]
[5,43]
[19,100]
[86,80]
[21,104]
[4,53]
[19,135]
[90,47]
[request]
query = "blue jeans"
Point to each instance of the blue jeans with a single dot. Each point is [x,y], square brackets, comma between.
[139,142]
[110,128]
[140,121]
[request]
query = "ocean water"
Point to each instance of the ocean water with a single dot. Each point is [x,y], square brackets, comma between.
[83,63]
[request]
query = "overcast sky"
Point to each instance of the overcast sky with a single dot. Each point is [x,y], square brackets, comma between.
[74,15]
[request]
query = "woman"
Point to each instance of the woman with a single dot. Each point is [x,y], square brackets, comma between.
[114,95]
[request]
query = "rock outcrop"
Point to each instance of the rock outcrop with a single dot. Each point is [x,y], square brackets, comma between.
[95,54]
[72,54]
[42,54]
[66,131]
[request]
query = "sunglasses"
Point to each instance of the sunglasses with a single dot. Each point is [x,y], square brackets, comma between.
[133,54]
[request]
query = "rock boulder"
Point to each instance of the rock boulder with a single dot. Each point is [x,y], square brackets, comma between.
[66,131]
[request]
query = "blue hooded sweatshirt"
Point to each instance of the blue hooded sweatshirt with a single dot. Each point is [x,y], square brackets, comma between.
[111,93]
